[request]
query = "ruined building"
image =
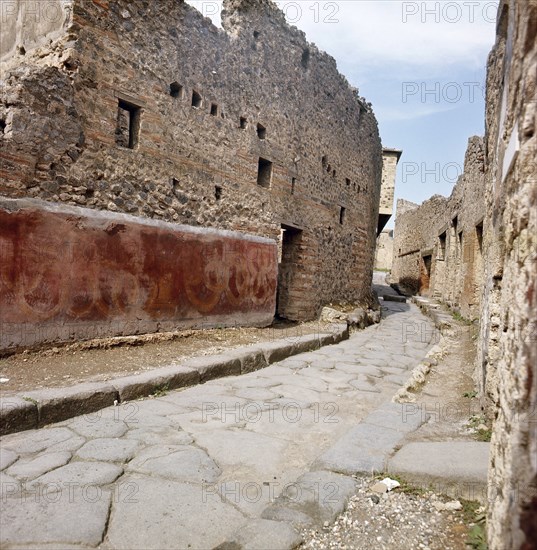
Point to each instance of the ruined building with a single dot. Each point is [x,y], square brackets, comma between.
[437,246]
[150,163]
[490,272]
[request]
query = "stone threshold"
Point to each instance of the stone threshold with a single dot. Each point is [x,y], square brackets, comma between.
[35,409]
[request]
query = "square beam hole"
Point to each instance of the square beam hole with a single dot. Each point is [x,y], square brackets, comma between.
[176,90]
[197,100]
[261,131]
[128,124]
[264,173]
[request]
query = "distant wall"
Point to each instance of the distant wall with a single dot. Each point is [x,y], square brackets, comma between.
[384,256]
[74,273]
[438,244]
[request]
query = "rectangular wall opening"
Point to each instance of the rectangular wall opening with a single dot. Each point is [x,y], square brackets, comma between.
[293,185]
[176,90]
[217,192]
[425,273]
[197,100]
[442,246]
[261,131]
[479,236]
[243,123]
[214,109]
[128,124]
[342,214]
[288,267]
[264,173]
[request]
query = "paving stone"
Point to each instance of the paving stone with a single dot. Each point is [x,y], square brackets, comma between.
[278,512]
[17,414]
[214,366]
[298,394]
[324,364]
[363,449]
[249,450]
[70,445]
[160,435]
[320,495]
[364,385]
[81,474]
[257,394]
[294,364]
[35,467]
[263,534]
[397,379]
[154,406]
[9,486]
[36,441]
[169,514]
[99,425]
[254,382]
[110,450]
[180,463]
[404,418]
[71,517]
[7,458]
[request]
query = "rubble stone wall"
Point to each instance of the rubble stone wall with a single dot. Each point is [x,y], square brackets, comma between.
[508,341]
[384,255]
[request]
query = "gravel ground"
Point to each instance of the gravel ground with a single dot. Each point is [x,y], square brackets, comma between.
[393,521]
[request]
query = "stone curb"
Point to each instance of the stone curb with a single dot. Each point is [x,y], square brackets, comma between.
[456,468]
[432,309]
[37,408]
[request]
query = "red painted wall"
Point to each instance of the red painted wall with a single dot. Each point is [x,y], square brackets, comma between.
[71,273]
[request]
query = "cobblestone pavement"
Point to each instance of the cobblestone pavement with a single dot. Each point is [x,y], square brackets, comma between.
[241,462]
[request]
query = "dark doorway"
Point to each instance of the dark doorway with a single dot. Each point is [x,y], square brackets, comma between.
[290,241]
[425,273]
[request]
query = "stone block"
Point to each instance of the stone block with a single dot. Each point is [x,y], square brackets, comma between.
[214,366]
[17,414]
[57,404]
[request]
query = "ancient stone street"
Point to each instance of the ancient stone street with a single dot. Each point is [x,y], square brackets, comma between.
[247,459]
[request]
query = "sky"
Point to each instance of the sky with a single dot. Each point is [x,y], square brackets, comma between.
[422,65]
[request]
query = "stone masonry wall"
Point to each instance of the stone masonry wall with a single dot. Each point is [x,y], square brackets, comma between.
[384,255]
[438,245]
[507,348]
[390,159]
[146,108]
